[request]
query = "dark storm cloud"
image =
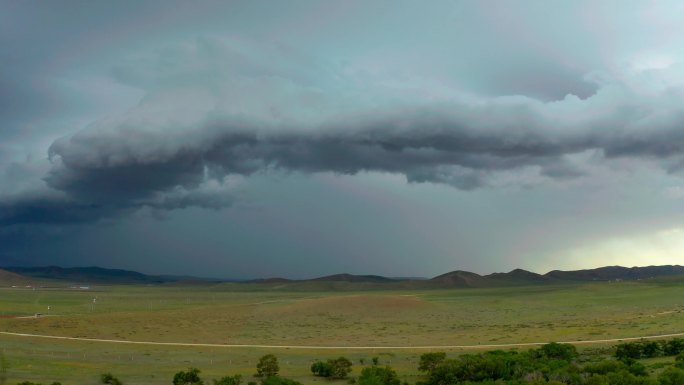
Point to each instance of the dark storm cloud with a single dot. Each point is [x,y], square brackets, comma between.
[101,172]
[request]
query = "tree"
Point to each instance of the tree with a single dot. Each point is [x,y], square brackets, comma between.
[628,351]
[429,361]
[107,378]
[321,369]
[671,376]
[679,361]
[673,347]
[267,366]
[338,368]
[376,375]
[191,377]
[341,367]
[229,380]
[651,349]
[557,351]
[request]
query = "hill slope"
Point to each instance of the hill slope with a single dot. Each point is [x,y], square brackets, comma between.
[459,278]
[8,278]
[88,274]
[352,278]
[611,273]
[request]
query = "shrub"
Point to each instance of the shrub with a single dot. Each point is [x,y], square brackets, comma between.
[107,378]
[679,361]
[671,376]
[321,369]
[267,366]
[429,361]
[191,377]
[673,347]
[558,351]
[229,380]
[376,375]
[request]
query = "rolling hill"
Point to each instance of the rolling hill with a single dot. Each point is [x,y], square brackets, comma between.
[454,279]
[8,278]
[95,274]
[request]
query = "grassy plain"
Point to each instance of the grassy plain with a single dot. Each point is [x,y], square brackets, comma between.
[232,314]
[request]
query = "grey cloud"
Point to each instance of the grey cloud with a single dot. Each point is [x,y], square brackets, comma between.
[216,109]
[106,171]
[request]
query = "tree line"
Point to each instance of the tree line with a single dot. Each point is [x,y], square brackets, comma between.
[551,364]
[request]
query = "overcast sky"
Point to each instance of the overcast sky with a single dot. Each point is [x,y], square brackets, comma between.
[303,138]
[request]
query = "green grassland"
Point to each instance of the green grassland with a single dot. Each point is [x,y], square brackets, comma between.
[265,314]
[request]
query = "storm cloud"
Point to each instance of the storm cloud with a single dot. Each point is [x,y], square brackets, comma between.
[111,112]
[466,146]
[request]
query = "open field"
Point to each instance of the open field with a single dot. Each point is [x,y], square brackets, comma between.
[228,314]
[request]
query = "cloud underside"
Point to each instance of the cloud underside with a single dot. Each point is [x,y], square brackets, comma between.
[203,126]
[98,173]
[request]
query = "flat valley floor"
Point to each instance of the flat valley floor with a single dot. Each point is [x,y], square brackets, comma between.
[361,324]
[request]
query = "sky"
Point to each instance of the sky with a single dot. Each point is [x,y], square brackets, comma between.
[244,139]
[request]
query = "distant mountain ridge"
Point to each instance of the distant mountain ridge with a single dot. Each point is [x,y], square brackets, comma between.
[453,279]
[94,274]
[353,278]
[610,273]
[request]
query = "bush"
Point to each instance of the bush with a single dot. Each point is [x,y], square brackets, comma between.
[429,361]
[558,351]
[651,349]
[671,376]
[191,377]
[679,361]
[267,366]
[673,347]
[628,351]
[321,369]
[107,378]
[338,368]
[604,367]
[229,380]
[376,375]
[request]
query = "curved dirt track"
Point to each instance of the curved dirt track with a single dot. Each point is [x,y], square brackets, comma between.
[455,347]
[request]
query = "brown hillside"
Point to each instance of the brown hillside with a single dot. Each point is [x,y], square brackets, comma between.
[7,278]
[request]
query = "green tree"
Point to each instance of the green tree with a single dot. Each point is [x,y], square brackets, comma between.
[376,375]
[267,366]
[651,349]
[107,378]
[341,367]
[679,361]
[321,369]
[671,376]
[673,347]
[429,361]
[557,351]
[229,380]
[191,377]
[628,351]
[338,368]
